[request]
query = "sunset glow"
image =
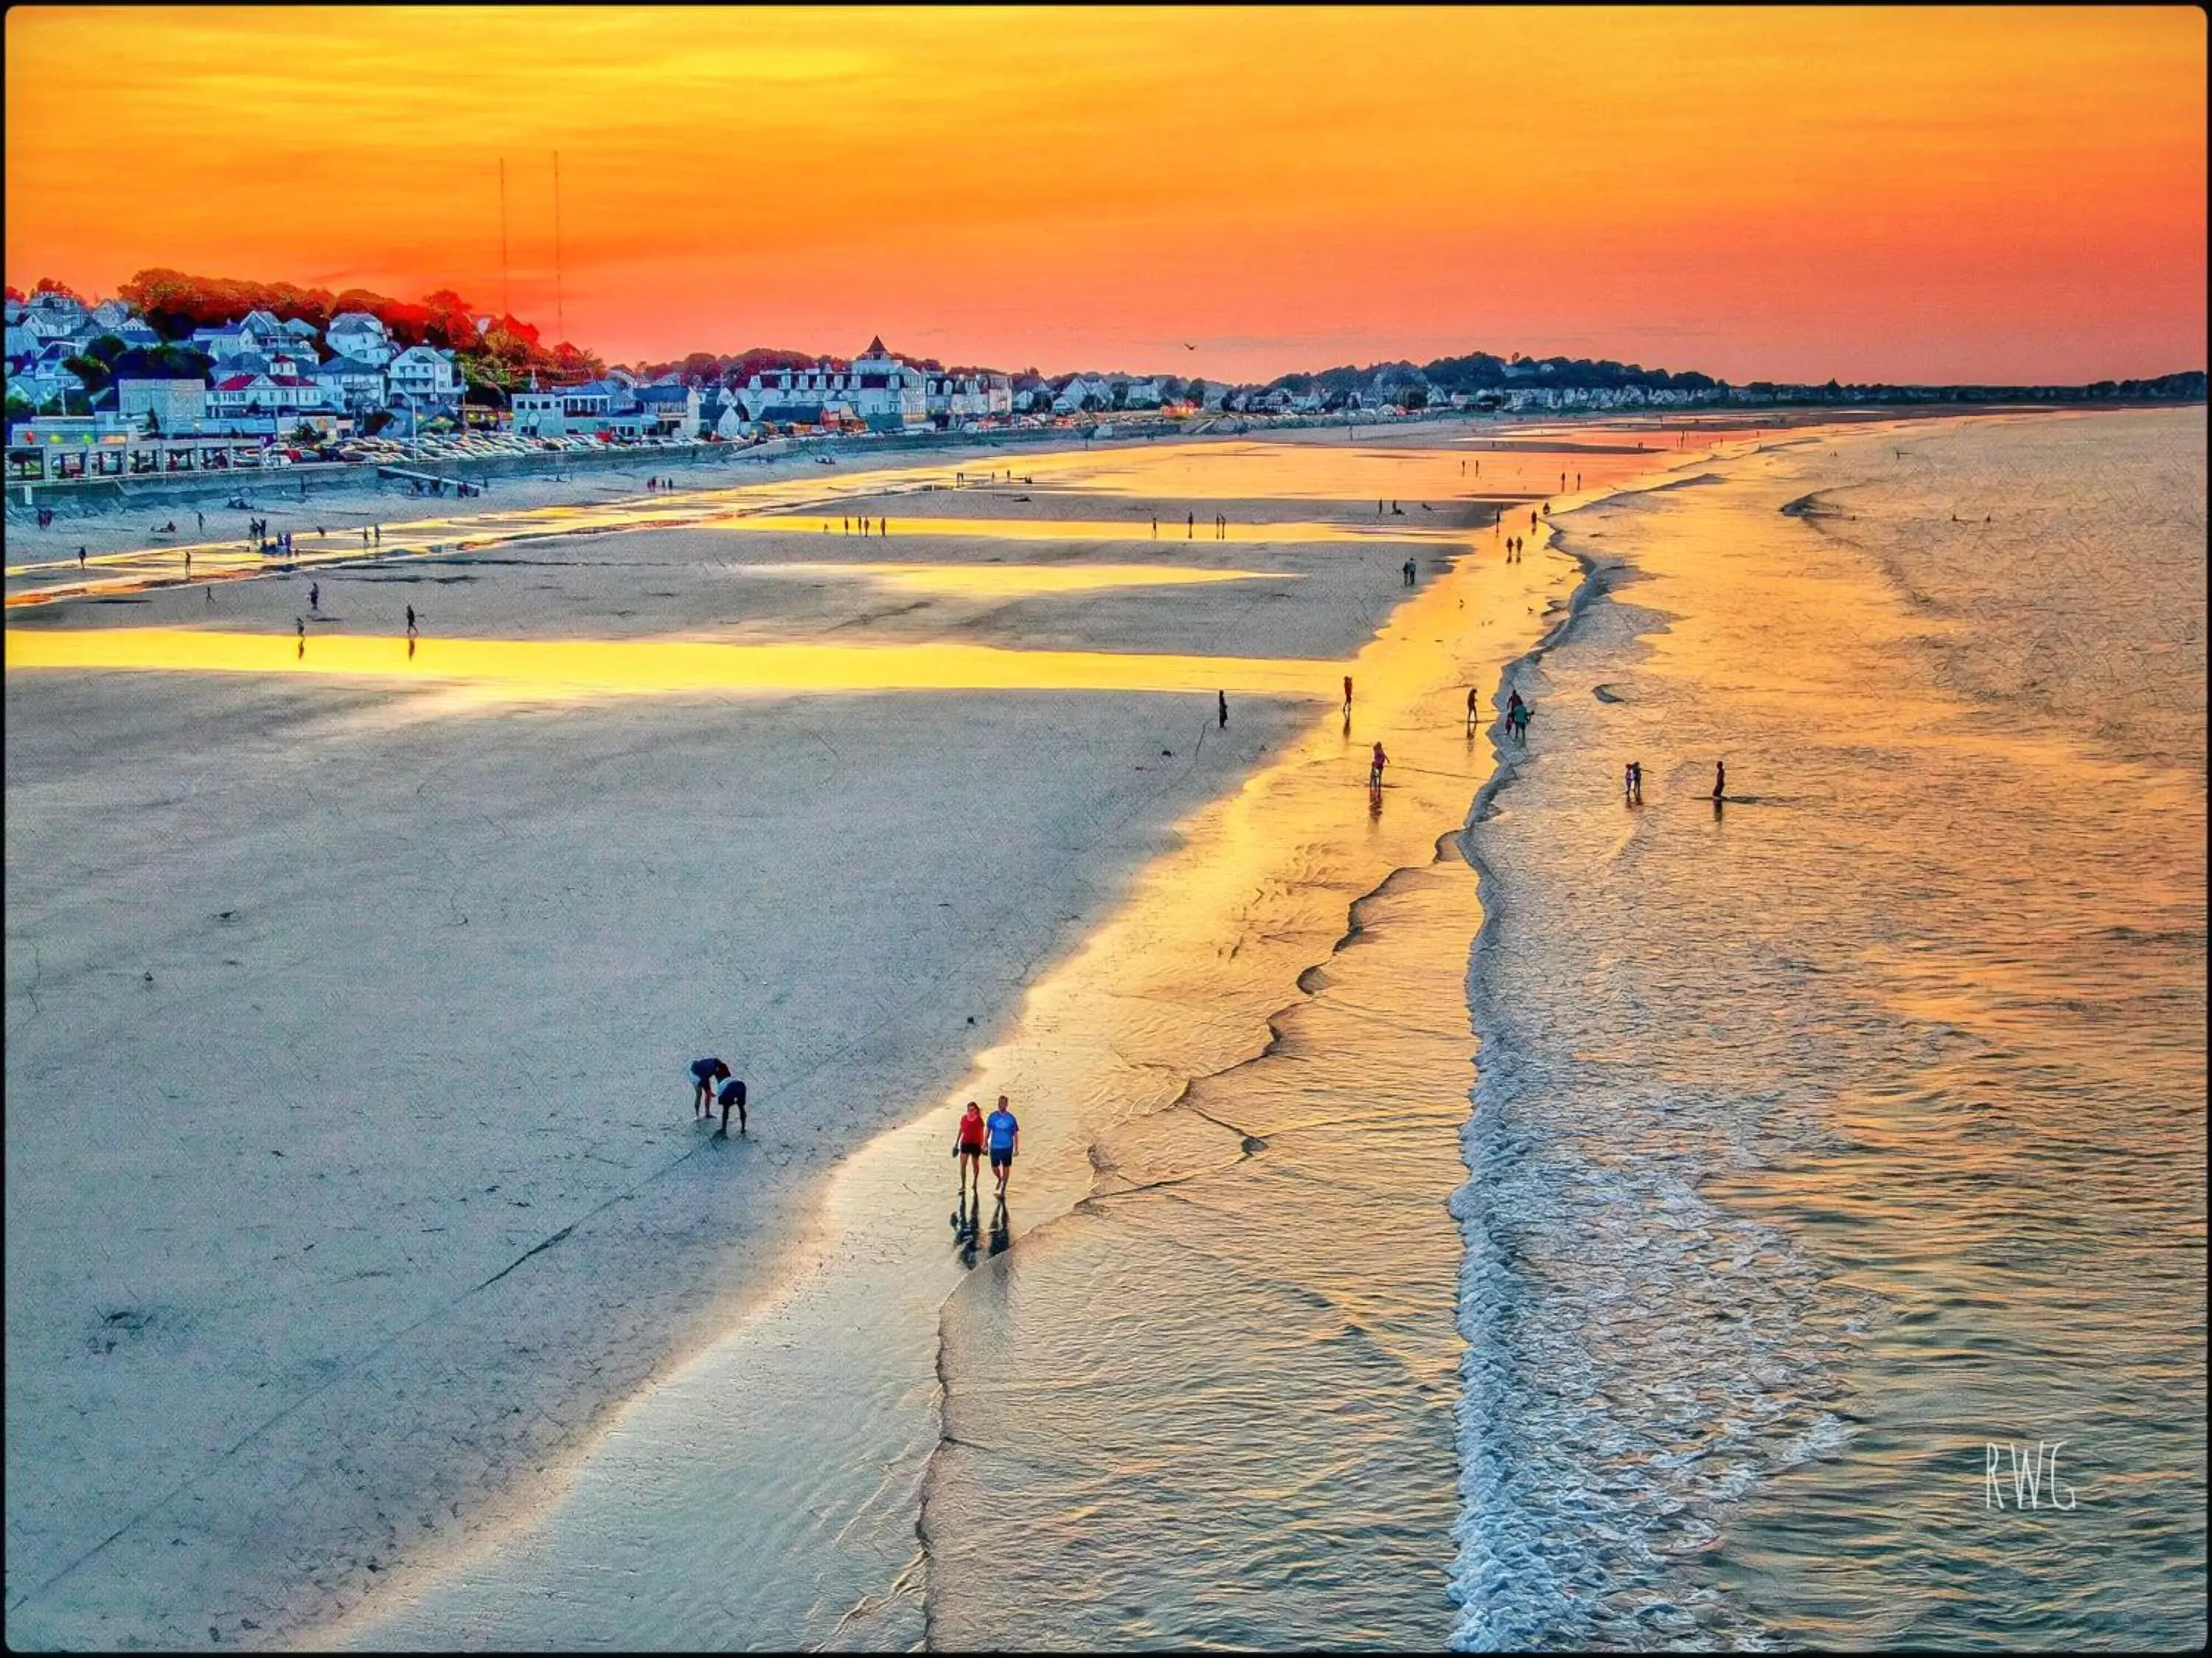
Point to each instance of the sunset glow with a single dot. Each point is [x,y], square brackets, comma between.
[1993,194]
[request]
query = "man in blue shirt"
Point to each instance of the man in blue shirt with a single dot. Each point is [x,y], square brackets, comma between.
[1005,1135]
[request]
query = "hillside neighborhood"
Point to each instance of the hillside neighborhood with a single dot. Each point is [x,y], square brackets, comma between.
[107,390]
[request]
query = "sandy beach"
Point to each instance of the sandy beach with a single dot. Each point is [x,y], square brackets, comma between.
[410,974]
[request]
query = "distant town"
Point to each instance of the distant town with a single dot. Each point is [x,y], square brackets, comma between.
[181,374]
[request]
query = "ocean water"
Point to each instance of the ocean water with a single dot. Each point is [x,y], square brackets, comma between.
[1841,1142]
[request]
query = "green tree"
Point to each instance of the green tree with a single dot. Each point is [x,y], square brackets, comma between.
[91,370]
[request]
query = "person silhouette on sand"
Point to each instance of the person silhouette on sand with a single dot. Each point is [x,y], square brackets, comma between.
[1473,693]
[1224,696]
[732,1094]
[705,1073]
[1375,764]
[1720,780]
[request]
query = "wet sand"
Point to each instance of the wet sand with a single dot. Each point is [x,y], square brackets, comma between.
[410,976]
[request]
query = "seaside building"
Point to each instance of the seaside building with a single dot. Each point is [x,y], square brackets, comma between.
[423,372]
[43,377]
[612,408]
[967,395]
[876,389]
[227,340]
[264,393]
[1082,391]
[362,338]
[675,411]
[172,404]
[58,448]
[351,384]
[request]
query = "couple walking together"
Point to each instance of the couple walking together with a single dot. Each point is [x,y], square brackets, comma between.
[999,1131]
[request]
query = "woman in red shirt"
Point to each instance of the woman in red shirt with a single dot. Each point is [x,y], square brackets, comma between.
[968,1147]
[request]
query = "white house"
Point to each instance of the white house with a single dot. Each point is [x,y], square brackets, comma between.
[968,396]
[46,322]
[676,411]
[1080,389]
[607,406]
[265,394]
[358,335]
[423,371]
[43,377]
[111,314]
[1143,394]
[229,339]
[351,384]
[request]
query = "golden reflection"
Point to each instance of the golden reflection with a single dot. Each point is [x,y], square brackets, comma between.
[1020,581]
[1170,529]
[563,667]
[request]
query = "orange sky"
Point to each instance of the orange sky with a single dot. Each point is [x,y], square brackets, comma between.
[1983,193]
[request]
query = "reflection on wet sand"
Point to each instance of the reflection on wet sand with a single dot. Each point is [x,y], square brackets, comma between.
[557,667]
[1070,530]
[1022,581]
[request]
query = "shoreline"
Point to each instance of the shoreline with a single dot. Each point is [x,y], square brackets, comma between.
[632,1497]
[705,1307]
[1484,1564]
[1722,1537]
[1001,931]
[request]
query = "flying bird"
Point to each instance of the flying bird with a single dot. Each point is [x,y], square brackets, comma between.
[1188,346]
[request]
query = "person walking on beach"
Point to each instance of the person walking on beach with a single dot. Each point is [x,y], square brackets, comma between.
[705,1073]
[732,1094]
[1005,1135]
[80,558]
[1347,696]
[1631,783]
[1375,764]
[1223,695]
[967,1151]
[1520,720]
[1190,526]
[1156,526]
[188,563]
[199,523]
[379,530]
[1720,780]
[315,596]
[1473,693]
[411,621]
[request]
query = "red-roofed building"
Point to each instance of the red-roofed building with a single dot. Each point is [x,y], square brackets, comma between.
[266,394]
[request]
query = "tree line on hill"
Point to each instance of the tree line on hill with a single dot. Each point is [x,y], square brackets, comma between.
[499,358]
